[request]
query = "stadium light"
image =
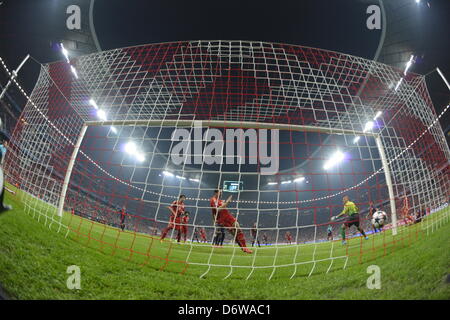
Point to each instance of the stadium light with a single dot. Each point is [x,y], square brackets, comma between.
[337,158]
[194,180]
[140,157]
[356,139]
[272,183]
[379,113]
[398,84]
[130,148]
[180,177]
[409,64]
[74,71]
[286,182]
[299,179]
[114,130]
[93,103]
[369,126]
[167,173]
[101,114]
[65,53]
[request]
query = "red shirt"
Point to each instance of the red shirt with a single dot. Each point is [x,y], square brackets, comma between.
[216,203]
[177,207]
[405,203]
[185,219]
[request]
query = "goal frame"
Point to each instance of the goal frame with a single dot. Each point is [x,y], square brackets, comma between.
[231,124]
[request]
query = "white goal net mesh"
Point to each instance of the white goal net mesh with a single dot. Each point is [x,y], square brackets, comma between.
[107,142]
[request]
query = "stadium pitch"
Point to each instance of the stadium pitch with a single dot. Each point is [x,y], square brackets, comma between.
[35,261]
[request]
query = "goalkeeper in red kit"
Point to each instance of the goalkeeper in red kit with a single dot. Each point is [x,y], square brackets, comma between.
[176,211]
[224,218]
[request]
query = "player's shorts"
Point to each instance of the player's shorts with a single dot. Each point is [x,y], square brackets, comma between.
[184,229]
[174,223]
[330,234]
[178,224]
[352,221]
[226,219]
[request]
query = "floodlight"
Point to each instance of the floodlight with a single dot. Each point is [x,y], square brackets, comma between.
[379,113]
[101,114]
[369,126]
[337,158]
[93,103]
[74,71]
[167,173]
[130,148]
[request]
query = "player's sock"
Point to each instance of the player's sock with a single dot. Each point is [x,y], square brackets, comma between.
[364,235]
[343,234]
[240,239]
[164,233]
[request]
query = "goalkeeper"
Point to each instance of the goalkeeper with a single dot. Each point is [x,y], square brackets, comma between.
[352,212]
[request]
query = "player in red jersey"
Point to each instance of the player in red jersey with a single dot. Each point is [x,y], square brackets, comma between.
[407,218]
[176,211]
[184,225]
[224,218]
[203,234]
[288,237]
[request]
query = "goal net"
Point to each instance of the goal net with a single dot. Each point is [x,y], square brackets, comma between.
[107,142]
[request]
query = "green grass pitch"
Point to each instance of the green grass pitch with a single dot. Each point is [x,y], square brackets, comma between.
[122,265]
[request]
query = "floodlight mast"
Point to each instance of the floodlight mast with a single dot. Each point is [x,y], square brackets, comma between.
[13,76]
[443,78]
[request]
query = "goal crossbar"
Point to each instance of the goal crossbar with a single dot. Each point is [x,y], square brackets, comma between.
[228,124]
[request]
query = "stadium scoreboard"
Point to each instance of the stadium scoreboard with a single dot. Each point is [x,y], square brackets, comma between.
[233,186]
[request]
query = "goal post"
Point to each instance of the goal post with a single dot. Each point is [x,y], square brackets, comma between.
[387,174]
[68,175]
